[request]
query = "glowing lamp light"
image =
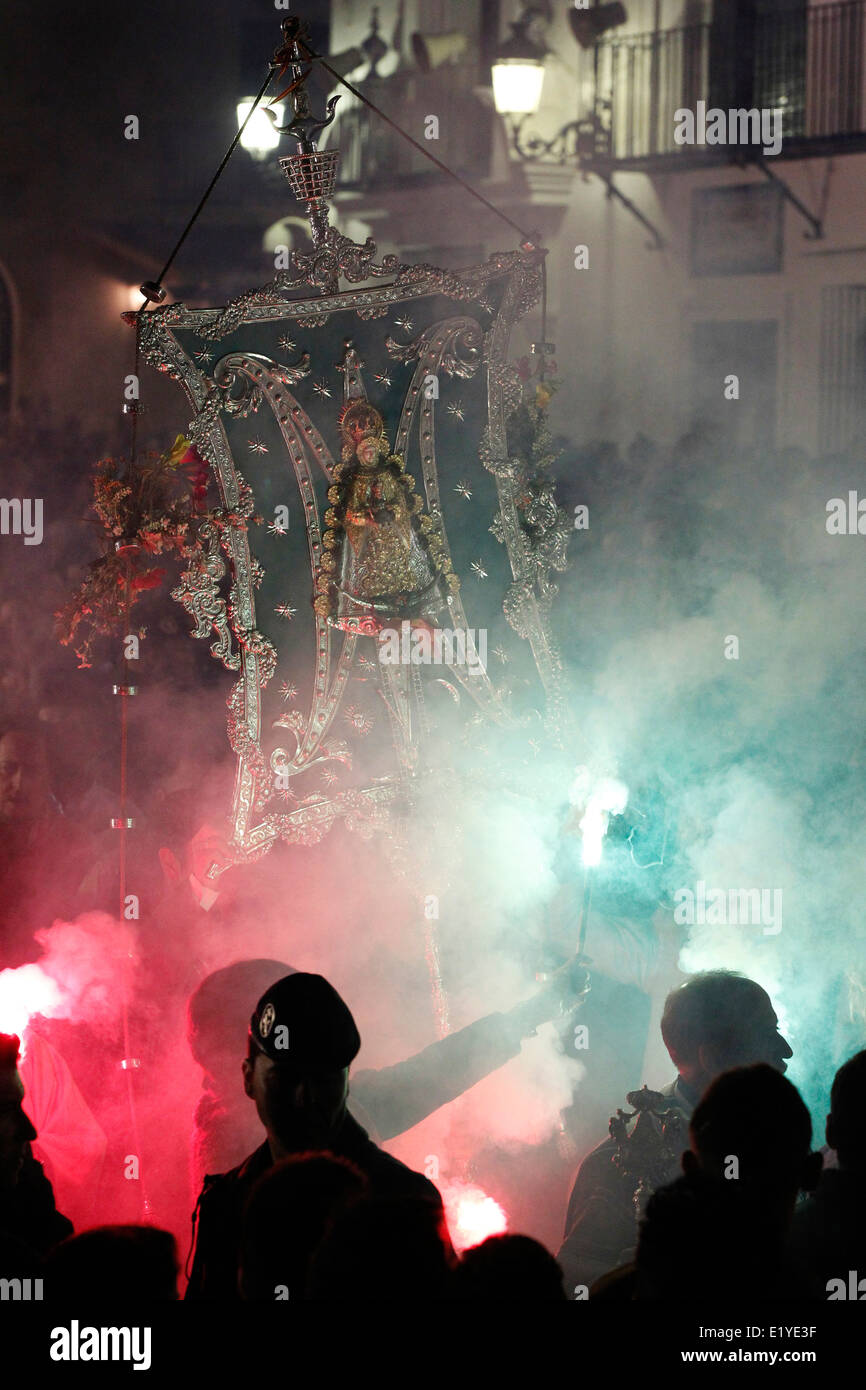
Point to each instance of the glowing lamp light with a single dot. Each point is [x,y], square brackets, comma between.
[518,71]
[517,86]
[472,1215]
[25,991]
[260,136]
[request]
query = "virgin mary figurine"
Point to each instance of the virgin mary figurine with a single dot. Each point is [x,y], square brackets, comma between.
[384,559]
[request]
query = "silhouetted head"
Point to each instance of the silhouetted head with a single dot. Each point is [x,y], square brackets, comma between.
[302,1040]
[135,1263]
[721,1231]
[394,1249]
[290,1211]
[16,1131]
[218,1011]
[718,1020]
[509,1267]
[846,1123]
[753,1130]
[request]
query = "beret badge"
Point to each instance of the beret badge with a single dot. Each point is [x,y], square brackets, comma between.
[266,1022]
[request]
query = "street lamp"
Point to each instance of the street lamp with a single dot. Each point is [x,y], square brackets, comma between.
[261,135]
[518,75]
[518,67]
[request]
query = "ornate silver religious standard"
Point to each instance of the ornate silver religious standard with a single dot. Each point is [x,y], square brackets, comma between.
[376,537]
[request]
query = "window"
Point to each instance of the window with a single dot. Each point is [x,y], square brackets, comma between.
[842,369]
[737,230]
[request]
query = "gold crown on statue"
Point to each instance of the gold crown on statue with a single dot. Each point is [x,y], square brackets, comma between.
[359,421]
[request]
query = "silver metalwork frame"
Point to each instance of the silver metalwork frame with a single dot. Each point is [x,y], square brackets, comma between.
[239,385]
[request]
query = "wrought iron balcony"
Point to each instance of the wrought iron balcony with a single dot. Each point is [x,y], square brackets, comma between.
[810,63]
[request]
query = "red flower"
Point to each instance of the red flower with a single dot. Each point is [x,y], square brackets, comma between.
[151,579]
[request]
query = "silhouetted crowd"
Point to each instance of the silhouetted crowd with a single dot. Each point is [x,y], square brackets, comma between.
[743,1207]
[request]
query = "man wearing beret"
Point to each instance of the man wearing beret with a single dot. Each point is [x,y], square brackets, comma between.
[302,1041]
[387,1101]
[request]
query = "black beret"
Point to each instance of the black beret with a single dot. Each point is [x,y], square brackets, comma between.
[302,1021]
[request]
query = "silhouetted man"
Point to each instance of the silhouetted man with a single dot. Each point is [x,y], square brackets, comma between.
[715,1021]
[139,1260]
[386,1250]
[508,1268]
[720,1230]
[302,1040]
[290,1211]
[829,1231]
[30,1223]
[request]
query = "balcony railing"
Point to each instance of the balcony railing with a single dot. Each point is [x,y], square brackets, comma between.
[374,155]
[809,63]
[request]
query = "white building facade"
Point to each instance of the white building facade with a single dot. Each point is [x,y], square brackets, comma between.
[740,300]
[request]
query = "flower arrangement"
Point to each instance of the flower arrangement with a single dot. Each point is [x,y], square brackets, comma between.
[154,506]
